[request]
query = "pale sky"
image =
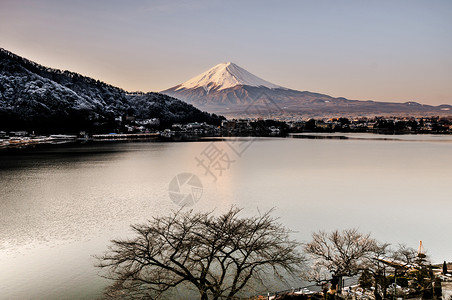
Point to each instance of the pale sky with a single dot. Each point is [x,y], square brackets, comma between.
[394,50]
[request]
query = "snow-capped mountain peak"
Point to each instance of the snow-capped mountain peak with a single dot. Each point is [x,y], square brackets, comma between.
[223,76]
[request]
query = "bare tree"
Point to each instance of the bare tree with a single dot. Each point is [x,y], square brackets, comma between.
[377,266]
[400,263]
[419,268]
[405,256]
[217,255]
[342,253]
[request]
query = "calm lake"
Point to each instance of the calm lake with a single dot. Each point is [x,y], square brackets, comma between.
[60,205]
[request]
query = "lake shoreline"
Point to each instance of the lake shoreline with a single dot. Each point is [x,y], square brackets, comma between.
[30,143]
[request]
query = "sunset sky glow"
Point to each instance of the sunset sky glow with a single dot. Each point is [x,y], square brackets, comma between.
[381,50]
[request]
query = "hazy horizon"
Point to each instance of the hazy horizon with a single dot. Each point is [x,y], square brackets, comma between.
[373,50]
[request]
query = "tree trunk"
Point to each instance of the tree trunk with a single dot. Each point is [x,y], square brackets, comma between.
[204,296]
[376,293]
[336,283]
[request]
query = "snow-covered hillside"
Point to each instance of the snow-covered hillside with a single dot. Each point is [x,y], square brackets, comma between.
[33,96]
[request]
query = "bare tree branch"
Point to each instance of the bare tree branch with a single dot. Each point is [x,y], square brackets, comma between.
[217,255]
[341,253]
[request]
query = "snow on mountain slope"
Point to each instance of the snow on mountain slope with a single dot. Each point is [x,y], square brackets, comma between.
[229,90]
[34,97]
[223,76]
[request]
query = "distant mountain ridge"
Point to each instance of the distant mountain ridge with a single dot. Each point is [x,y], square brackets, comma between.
[231,90]
[36,97]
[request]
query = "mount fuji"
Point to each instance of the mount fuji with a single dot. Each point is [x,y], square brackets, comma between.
[232,91]
[224,76]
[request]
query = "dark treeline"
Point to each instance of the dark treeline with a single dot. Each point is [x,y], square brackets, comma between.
[41,99]
[379,124]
